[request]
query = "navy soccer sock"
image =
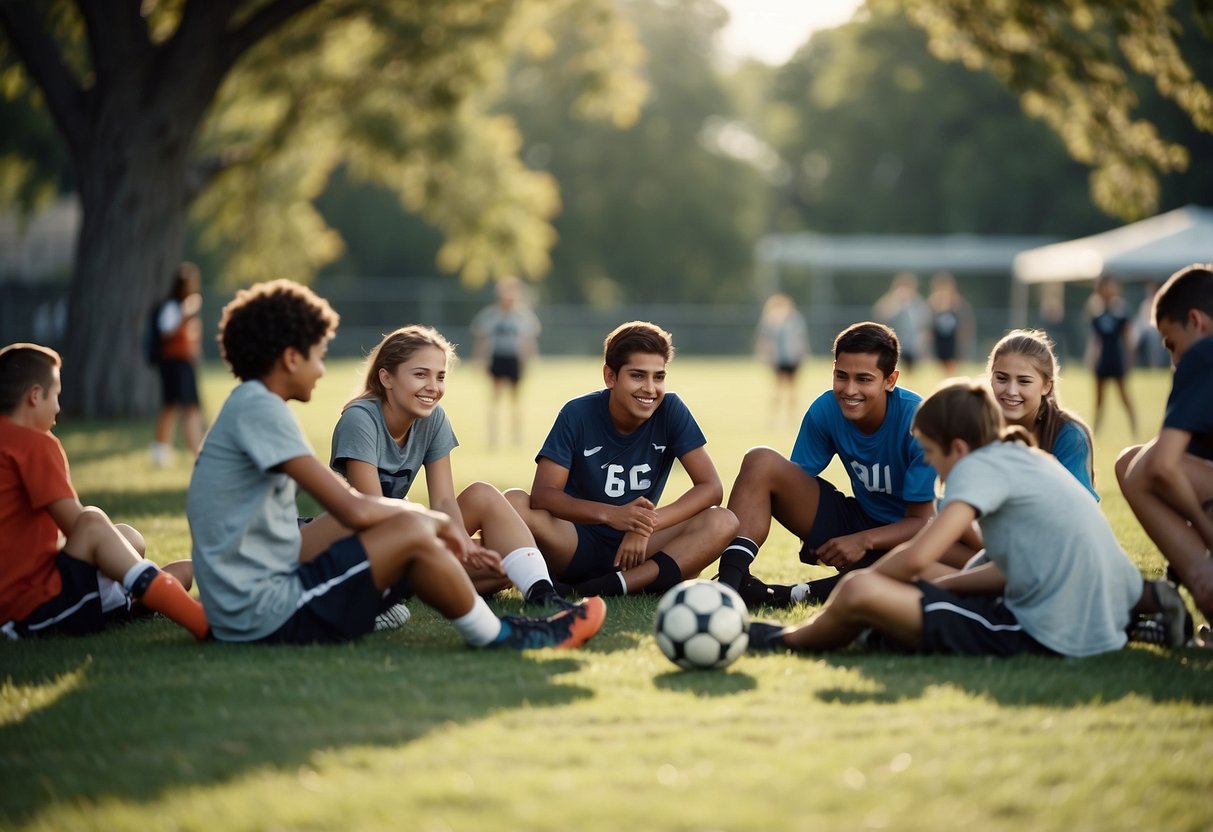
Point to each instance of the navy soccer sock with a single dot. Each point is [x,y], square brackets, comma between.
[669,575]
[607,585]
[736,560]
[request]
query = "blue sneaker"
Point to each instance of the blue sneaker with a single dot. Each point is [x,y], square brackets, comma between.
[569,628]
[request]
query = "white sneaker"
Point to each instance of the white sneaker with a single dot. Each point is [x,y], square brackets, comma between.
[393,618]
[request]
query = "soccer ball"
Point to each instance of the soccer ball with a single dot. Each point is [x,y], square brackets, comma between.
[702,624]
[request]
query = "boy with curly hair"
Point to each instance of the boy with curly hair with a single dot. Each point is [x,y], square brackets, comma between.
[63,565]
[262,577]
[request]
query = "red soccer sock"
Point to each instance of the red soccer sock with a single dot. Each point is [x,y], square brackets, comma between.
[167,596]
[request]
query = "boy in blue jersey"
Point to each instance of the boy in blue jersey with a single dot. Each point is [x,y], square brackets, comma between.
[865,421]
[1168,482]
[600,474]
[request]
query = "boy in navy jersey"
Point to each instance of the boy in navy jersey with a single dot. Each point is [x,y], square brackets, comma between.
[1168,482]
[865,421]
[600,474]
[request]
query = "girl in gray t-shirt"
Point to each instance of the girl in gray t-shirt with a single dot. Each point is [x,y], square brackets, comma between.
[1052,578]
[395,426]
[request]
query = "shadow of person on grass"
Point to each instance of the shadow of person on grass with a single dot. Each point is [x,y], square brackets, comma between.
[147,712]
[1179,676]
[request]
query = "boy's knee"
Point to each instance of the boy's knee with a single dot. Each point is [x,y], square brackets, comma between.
[1124,460]
[760,460]
[479,494]
[519,499]
[855,591]
[720,522]
[133,537]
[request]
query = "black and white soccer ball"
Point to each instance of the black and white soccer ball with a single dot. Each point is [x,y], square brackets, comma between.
[702,624]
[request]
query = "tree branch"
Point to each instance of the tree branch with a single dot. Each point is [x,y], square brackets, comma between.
[266,20]
[27,33]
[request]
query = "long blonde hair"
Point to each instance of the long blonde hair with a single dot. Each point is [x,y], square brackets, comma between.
[1051,417]
[395,349]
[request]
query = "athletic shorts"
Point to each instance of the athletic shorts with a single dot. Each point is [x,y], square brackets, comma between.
[837,515]
[788,368]
[81,606]
[178,382]
[340,599]
[972,625]
[595,554]
[506,366]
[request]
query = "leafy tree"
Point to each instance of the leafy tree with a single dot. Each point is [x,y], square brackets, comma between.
[882,136]
[1071,63]
[243,109]
[668,210]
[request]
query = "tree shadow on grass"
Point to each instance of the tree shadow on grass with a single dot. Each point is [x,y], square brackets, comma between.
[1181,676]
[129,719]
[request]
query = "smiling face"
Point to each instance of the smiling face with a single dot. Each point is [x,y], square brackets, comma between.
[415,386]
[636,390]
[861,389]
[1019,388]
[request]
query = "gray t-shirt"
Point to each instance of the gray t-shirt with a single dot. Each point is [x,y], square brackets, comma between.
[242,515]
[506,329]
[362,434]
[1068,582]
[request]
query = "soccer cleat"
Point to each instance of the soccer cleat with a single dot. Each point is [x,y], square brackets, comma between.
[766,637]
[569,628]
[756,594]
[1174,614]
[393,618]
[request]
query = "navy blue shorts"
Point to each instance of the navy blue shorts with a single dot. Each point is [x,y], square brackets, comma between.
[339,601]
[972,625]
[178,382]
[76,610]
[595,554]
[837,515]
[506,366]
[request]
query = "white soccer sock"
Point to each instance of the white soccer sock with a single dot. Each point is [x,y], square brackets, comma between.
[623,585]
[132,574]
[478,626]
[525,567]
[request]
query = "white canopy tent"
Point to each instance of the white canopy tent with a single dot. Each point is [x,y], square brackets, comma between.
[1151,249]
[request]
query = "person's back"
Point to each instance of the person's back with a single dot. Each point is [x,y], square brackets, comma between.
[1068,581]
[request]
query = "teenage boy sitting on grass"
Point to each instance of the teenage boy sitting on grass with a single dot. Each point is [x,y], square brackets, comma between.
[63,565]
[600,474]
[1168,482]
[865,421]
[262,578]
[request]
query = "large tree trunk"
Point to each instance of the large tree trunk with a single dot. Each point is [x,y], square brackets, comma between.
[133,193]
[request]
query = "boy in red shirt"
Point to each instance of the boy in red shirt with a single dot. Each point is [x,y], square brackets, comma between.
[62,564]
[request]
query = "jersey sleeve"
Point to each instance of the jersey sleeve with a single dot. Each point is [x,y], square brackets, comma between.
[269,433]
[1073,450]
[1189,405]
[979,484]
[356,437]
[52,481]
[442,437]
[687,436]
[815,446]
[562,439]
[919,483]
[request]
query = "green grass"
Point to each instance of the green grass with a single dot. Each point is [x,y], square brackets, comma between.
[141,728]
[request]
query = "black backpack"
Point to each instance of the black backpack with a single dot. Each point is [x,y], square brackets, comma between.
[153,344]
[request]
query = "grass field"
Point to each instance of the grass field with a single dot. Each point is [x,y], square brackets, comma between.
[141,728]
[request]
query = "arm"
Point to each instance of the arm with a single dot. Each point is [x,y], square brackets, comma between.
[705,491]
[907,561]
[363,476]
[440,483]
[843,551]
[547,494]
[986,579]
[1161,463]
[65,513]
